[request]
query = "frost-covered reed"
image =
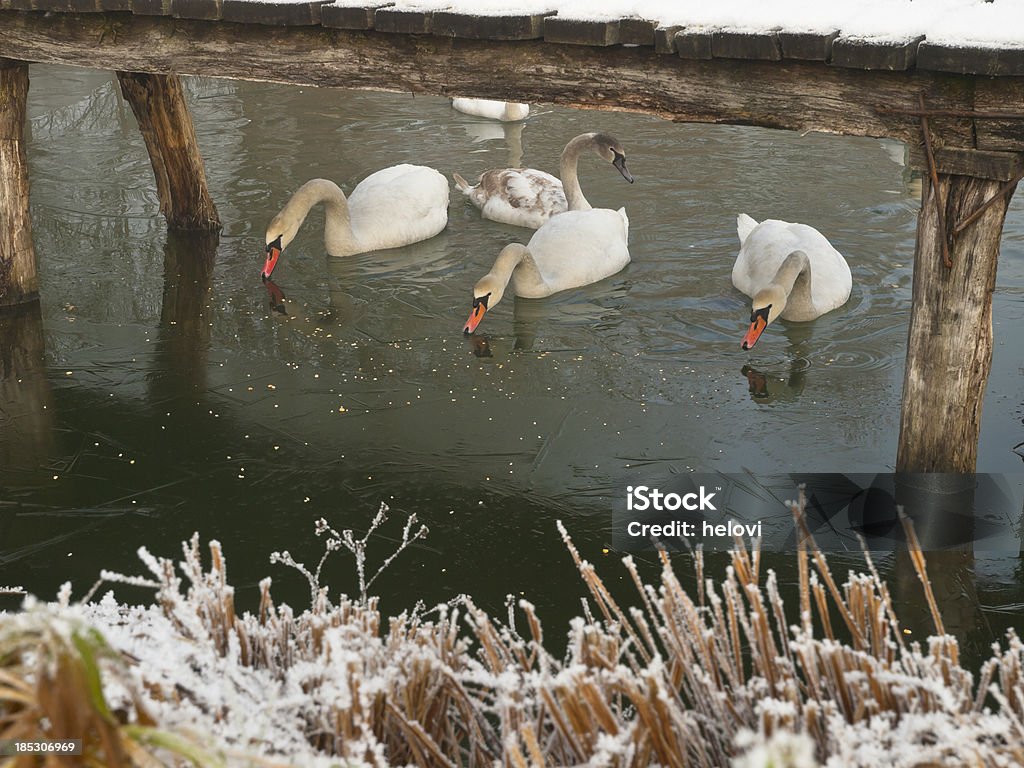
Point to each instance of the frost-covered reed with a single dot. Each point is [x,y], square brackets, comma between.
[726,676]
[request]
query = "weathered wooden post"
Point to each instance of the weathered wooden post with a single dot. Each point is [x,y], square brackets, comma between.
[158,102]
[949,346]
[19,281]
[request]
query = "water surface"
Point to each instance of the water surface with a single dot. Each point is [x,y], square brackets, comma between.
[173,399]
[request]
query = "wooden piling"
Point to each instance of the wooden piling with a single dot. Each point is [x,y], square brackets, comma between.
[158,102]
[19,281]
[949,348]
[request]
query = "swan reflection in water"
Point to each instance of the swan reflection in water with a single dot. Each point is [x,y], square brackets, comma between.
[340,311]
[481,346]
[769,387]
[276,296]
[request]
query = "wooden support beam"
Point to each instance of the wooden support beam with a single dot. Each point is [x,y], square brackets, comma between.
[789,94]
[158,102]
[956,161]
[949,346]
[19,281]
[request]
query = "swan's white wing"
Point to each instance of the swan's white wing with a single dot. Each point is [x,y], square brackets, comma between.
[580,247]
[399,205]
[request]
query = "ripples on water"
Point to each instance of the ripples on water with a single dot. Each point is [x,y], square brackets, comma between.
[249,422]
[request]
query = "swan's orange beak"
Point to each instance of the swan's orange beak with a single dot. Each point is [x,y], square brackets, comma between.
[273,254]
[479,308]
[758,322]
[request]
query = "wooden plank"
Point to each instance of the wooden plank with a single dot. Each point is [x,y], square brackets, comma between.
[800,96]
[272,14]
[693,44]
[998,135]
[983,164]
[637,31]
[403,22]
[197,9]
[471,27]
[158,102]
[115,5]
[576,32]
[665,39]
[745,45]
[949,345]
[807,46]
[861,53]
[68,6]
[964,60]
[19,279]
[150,7]
[350,17]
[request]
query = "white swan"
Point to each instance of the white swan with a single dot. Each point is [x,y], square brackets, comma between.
[789,271]
[506,111]
[573,249]
[527,198]
[395,206]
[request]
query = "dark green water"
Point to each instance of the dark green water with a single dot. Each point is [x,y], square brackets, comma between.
[173,400]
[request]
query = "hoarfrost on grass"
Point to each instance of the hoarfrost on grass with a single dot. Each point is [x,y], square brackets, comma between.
[341,682]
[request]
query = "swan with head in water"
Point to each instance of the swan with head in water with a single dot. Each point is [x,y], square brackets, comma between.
[789,271]
[505,111]
[527,197]
[393,207]
[572,249]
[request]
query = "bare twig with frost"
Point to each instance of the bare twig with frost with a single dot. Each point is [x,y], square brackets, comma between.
[357,547]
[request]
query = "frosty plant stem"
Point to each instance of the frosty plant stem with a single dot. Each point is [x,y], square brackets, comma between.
[357,547]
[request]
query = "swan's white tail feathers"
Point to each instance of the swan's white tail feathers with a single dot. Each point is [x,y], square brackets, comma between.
[744,226]
[461,184]
[625,219]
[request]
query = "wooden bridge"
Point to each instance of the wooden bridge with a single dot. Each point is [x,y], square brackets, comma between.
[960,109]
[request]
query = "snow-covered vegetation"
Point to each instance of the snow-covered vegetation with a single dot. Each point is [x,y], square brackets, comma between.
[722,677]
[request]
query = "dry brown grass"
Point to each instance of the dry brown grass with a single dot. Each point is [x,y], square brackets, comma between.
[53,671]
[672,680]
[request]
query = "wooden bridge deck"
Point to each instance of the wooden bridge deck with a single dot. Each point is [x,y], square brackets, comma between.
[798,81]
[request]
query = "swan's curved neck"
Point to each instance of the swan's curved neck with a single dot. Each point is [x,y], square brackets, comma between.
[794,277]
[511,256]
[514,260]
[568,172]
[338,235]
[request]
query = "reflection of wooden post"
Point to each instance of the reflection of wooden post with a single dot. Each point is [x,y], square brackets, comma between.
[184,336]
[949,347]
[158,102]
[18,280]
[26,401]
